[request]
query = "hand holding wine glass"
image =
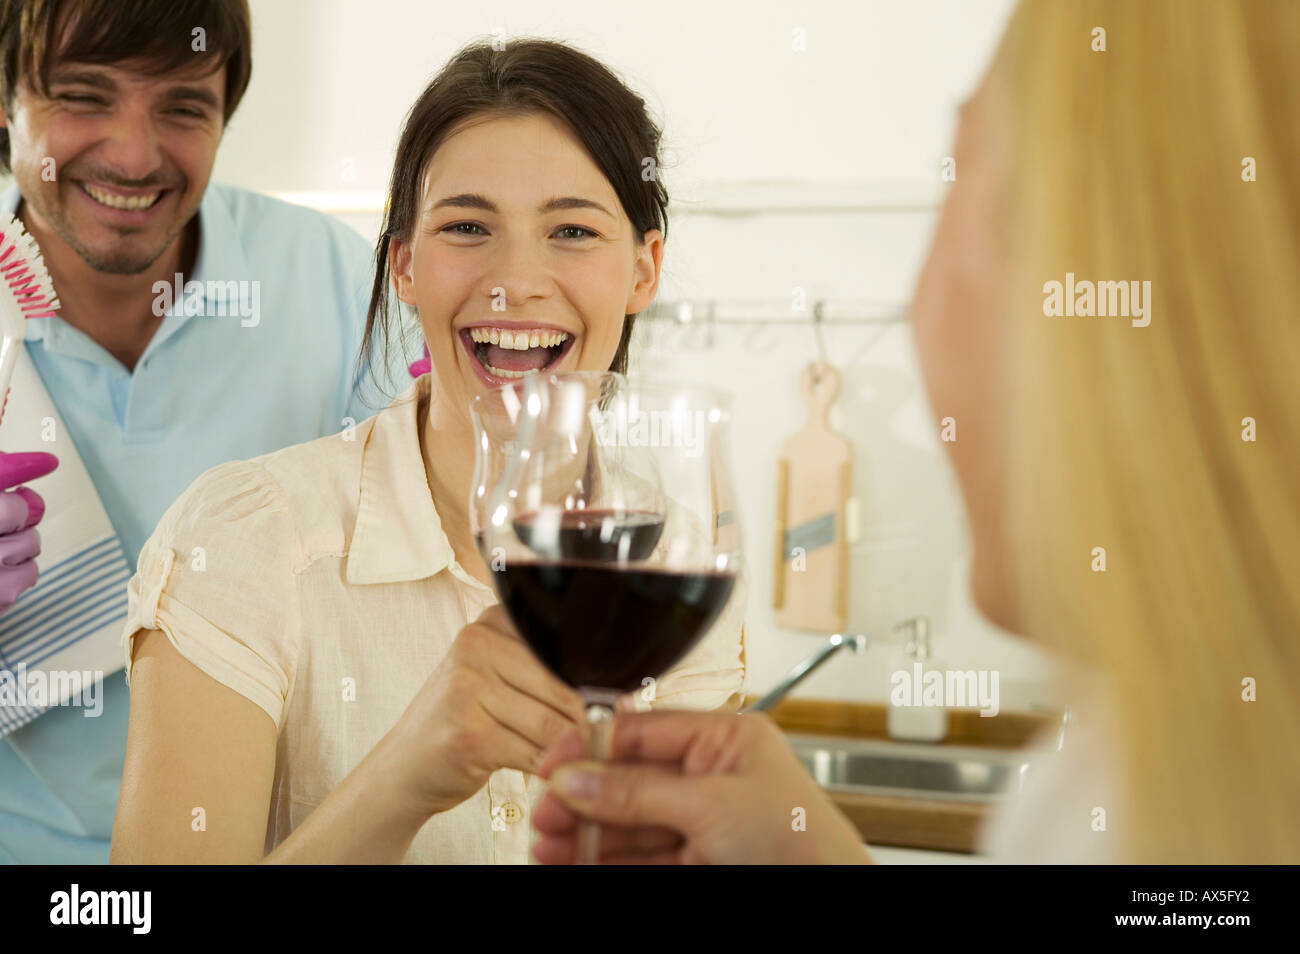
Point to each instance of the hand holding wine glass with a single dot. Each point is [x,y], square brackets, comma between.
[488,705]
[692,788]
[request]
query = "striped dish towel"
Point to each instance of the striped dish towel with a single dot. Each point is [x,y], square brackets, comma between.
[66,629]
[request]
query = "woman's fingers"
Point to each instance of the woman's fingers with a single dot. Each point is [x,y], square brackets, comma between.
[553,817]
[617,846]
[550,852]
[516,665]
[566,748]
[667,735]
[489,704]
[673,857]
[529,707]
[508,748]
[632,795]
[651,737]
[520,670]
[529,717]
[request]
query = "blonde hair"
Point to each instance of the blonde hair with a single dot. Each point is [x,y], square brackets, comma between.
[1130,165]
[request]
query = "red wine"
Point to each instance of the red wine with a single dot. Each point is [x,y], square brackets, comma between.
[601,535]
[609,628]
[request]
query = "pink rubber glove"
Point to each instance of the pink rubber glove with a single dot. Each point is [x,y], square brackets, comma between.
[20,510]
[423,366]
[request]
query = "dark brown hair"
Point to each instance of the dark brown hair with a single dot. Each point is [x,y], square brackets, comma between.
[525,76]
[155,36]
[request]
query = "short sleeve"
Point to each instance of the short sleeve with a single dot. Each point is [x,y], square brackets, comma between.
[714,671]
[217,579]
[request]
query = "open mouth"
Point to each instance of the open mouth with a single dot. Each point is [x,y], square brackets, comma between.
[501,354]
[122,201]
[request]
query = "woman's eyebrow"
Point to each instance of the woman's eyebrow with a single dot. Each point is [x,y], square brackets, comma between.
[572,202]
[465,200]
[472,200]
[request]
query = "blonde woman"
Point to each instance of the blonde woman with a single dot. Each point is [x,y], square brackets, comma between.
[319,668]
[1131,480]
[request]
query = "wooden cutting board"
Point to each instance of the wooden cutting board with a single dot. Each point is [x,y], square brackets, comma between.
[813,491]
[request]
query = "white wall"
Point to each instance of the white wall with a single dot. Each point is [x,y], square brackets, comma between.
[870,100]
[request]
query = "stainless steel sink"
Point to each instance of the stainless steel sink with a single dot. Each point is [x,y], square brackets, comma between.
[910,770]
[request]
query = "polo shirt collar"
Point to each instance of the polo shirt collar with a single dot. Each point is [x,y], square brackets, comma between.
[220,256]
[398,535]
[219,259]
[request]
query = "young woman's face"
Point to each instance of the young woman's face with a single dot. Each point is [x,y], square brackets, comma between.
[522,258]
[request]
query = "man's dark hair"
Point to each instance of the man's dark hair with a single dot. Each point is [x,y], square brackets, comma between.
[155,36]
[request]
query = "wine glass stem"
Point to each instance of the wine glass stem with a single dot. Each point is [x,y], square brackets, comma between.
[600,719]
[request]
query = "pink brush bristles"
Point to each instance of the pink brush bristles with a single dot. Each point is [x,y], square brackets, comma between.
[25,292]
[22,272]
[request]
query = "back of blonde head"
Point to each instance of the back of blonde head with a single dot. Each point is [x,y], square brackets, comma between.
[1132,164]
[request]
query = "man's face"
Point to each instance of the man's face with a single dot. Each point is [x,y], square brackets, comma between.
[115,161]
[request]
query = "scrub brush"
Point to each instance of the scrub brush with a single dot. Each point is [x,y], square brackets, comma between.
[25,292]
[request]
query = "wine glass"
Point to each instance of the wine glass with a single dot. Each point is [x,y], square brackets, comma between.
[495,416]
[604,509]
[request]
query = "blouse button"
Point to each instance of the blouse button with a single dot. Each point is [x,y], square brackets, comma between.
[511,813]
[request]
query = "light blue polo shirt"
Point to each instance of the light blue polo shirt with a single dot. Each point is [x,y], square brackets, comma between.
[278,369]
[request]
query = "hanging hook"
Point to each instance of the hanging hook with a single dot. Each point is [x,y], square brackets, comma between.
[821,344]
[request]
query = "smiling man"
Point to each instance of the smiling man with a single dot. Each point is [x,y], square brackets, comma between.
[111,114]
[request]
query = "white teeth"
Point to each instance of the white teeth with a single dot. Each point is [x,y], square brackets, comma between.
[502,373]
[518,340]
[513,340]
[132,203]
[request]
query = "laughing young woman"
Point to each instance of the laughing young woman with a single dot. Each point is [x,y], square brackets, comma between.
[319,669]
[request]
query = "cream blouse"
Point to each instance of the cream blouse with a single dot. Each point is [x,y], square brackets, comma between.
[318,583]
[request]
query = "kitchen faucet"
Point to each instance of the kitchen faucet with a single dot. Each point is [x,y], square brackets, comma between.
[801,671]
